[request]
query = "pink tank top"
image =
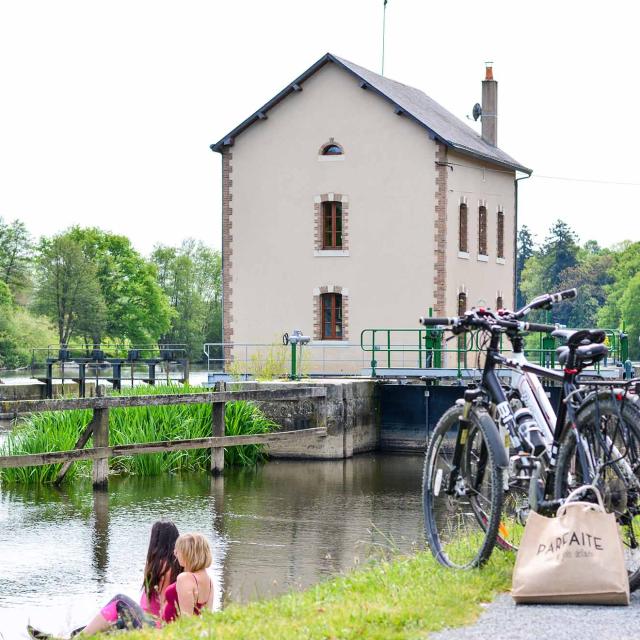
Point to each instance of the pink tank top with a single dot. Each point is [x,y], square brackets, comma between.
[171,608]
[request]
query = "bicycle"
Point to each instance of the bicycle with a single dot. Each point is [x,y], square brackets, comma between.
[475,476]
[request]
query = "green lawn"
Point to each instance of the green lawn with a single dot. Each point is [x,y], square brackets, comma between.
[407,597]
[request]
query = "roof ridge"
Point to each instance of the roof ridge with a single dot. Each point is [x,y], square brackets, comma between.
[441,124]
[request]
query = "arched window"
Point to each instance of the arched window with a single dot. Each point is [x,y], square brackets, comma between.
[462,229]
[499,304]
[332,150]
[482,230]
[332,225]
[331,311]
[500,234]
[462,303]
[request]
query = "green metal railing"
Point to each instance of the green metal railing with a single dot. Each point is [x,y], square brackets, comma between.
[427,349]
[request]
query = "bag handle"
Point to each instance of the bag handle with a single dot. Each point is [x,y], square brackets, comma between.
[570,499]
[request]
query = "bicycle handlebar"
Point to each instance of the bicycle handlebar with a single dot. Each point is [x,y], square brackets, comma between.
[486,321]
[545,301]
[437,322]
[541,328]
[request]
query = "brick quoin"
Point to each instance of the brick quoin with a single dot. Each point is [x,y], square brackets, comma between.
[227,252]
[440,232]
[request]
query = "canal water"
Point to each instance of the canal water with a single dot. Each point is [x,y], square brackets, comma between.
[282,526]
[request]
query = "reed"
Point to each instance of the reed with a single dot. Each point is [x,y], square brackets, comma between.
[59,431]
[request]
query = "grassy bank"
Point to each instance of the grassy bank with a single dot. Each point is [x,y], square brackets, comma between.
[404,598]
[59,431]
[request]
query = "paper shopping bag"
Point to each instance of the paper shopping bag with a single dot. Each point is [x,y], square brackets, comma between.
[576,557]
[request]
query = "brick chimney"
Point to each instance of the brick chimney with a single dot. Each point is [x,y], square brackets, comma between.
[489,116]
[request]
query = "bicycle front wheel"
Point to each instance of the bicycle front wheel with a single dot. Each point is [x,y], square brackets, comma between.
[604,450]
[462,506]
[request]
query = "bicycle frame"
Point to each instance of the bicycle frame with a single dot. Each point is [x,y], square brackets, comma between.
[526,379]
[533,395]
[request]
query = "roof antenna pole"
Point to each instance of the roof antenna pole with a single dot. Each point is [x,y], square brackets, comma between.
[384,21]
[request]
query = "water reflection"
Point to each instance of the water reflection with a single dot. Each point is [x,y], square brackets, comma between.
[282,526]
[100,542]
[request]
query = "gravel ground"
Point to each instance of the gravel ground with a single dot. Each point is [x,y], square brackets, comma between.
[505,620]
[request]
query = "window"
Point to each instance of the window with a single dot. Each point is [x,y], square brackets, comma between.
[482,230]
[462,229]
[332,225]
[500,231]
[499,303]
[462,303]
[331,316]
[332,150]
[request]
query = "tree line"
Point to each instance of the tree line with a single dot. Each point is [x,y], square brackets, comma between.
[607,279]
[86,286]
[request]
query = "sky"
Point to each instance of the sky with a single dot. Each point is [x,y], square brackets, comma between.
[107,109]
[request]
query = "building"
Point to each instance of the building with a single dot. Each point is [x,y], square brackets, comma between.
[351,201]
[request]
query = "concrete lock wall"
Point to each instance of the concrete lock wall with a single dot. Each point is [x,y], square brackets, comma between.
[350,411]
[34,390]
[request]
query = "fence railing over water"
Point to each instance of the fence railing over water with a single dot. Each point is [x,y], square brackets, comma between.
[428,349]
[98,428]
[245,359]
[112,362]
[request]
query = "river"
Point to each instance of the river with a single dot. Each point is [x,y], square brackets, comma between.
[282,526]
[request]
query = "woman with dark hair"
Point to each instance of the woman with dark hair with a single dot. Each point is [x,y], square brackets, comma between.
[121,612]
[161,567]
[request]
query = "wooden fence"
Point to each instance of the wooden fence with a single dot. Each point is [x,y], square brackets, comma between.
[98,427]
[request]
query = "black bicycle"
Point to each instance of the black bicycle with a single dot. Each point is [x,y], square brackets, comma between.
[484,468]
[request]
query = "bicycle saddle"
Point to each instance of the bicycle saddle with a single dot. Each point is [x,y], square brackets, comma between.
[576,337]
[586,355]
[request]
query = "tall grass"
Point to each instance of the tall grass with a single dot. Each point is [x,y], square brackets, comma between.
[59,431]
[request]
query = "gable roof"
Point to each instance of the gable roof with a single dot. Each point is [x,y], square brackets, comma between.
[441,124]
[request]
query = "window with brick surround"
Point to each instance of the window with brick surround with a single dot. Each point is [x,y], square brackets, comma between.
[500,232]
[332,225]
[331,316]
[462,229]
[482,230]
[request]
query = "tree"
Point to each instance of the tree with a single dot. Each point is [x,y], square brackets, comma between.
[591,276]
[559,251]
[136,309]
[15,255]
[619,308]
[524,250]
[191,277]
[68,291]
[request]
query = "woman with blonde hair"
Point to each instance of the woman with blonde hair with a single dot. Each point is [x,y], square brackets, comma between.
[193,589]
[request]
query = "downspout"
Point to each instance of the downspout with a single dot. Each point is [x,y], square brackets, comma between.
[515,240]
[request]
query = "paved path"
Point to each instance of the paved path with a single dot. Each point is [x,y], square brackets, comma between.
[505,620]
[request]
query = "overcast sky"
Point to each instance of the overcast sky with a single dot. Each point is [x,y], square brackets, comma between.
[107,109]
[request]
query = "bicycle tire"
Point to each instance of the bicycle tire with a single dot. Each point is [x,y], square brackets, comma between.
[461,526]
[618,416]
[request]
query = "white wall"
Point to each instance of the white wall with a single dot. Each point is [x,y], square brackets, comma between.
[388,176]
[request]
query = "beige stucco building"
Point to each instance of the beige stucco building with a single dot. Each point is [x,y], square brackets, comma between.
[351,201]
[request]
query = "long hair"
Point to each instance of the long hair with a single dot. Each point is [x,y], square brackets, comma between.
[160,558]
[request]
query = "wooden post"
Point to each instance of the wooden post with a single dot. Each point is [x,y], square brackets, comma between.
[100,424]
[217,427]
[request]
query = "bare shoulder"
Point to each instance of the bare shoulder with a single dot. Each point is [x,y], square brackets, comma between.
[184,578]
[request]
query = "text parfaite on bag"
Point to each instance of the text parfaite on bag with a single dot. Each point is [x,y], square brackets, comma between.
[575,558]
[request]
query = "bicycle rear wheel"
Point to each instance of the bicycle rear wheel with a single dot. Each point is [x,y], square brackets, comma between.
[462,507]
[609,457]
